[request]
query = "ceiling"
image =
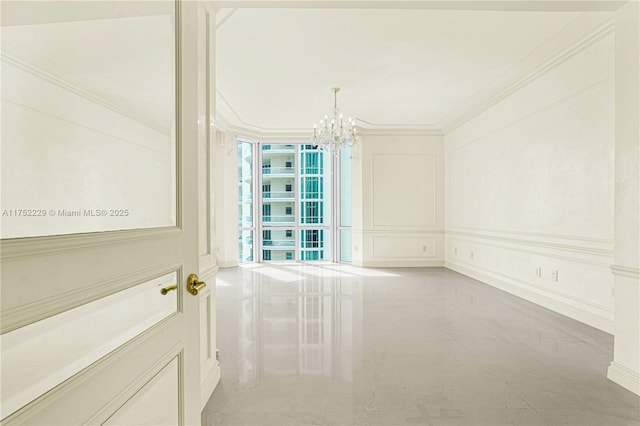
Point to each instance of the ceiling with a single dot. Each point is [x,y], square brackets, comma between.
[397,68]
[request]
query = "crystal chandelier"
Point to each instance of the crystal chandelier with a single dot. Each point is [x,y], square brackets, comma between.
[334,133]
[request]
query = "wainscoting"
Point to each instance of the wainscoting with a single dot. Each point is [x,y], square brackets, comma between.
[565,274]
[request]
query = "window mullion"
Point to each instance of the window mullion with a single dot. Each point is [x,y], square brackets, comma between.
[296,208]
[258,218]
[335,196]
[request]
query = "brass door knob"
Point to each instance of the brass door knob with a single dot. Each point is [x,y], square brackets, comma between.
[194,285]
[166,290]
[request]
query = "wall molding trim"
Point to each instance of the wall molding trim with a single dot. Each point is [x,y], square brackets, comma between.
[249,131]
[210,271]
[19,247]
[592,37]
[527,285]
[400,264]
[626,271]
[228,263]
[536,253]
[207,265]
[401,230]
[582,249]
[429,247]
[82,92]
[532,234]
[519,288]
[625,377]
[209,384]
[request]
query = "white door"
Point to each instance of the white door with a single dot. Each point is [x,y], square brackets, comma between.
[100,213]
[208,266]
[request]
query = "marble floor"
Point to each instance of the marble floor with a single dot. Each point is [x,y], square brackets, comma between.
[312,344]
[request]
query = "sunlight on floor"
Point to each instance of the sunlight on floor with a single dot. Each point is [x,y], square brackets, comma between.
[363,272]
[279,274]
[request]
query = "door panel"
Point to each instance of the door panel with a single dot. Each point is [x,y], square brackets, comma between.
[45,276]
[156,404]
[60,346]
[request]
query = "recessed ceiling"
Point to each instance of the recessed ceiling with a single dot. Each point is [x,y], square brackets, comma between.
[397,68]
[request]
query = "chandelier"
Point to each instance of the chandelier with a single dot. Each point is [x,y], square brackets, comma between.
[334,133]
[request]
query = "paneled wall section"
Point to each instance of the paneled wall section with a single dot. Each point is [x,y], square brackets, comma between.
[398,201]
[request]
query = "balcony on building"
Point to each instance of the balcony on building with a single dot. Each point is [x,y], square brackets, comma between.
[284,244]
[278,171]
[279,220]
[278,149]
[279,195]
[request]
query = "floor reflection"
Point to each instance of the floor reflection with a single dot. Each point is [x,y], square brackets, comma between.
[335,344]
[291,321]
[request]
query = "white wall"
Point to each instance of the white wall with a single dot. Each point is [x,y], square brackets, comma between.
[398,210]
[226,202]
[529,185]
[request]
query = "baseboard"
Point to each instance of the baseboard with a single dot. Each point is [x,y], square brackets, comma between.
[518,290]
[399,263]
[209,384]
[625,377]
[227,263]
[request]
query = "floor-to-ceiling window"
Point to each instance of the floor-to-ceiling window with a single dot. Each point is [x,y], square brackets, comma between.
[301,194]
[315,218]
[278,199]
[246,206]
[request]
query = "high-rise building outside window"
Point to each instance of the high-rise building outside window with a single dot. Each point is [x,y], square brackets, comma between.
[246,225]
[298,190]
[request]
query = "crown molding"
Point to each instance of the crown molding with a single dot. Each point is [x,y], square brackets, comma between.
[253,132]
[365,128]
[373,129]
[490,98]
[417,131]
